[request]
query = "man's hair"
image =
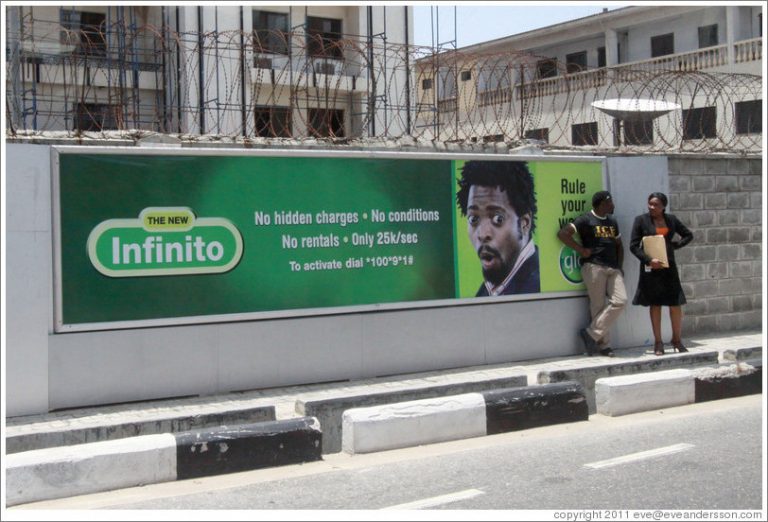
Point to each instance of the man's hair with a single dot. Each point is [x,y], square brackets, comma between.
[512,177]
[599,197]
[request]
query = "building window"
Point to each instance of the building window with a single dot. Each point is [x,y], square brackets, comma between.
[699,123]
[96,117]
[466,76]
[708,36]
[576,62]
[326,123]
[85,30]
[273,122]
[584,133]
[426,84]
[324,37]
[662,45]
[749,117]
[538,134]
[446,84]
[547,68]
[493,138]
[635,132]
[601,57]
[270,32]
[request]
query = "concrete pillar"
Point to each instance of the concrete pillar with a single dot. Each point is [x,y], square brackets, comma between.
[731,15]
[14,46]
[611,50]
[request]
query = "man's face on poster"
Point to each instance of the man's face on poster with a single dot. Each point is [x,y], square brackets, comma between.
[496,231]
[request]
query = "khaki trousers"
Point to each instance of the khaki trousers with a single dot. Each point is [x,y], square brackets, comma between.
[607,298]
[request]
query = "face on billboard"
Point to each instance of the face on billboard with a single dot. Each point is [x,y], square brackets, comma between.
[497,233]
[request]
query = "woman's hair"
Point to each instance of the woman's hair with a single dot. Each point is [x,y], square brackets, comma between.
[660,196]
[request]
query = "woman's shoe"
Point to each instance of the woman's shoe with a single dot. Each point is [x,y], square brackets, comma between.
[658,348]
[678,346]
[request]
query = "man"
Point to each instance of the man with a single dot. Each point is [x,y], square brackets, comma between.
[498,200]
[601,260]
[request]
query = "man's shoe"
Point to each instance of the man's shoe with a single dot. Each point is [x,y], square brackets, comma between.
[608,352]
[589,343]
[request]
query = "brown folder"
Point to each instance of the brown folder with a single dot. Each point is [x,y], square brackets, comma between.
[656,248]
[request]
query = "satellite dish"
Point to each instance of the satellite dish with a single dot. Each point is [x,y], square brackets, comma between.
[635,109]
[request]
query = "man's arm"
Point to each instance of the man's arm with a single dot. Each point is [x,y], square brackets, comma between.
[566,236]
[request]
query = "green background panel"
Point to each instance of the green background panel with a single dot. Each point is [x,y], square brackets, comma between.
[94,188]
[468,271]
[558,205]
[98,187]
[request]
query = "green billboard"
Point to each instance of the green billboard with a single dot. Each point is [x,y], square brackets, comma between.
[186,237]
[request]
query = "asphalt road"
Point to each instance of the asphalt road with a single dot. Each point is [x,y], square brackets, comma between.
[700,456]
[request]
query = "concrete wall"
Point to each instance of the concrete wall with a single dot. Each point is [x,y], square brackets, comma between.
[631,180]
[28,291]
[47,371]
[721,201]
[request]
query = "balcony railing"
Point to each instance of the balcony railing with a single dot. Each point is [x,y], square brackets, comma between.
[707,58]
[494,97]
[561,84]
[748,50]
[447,105]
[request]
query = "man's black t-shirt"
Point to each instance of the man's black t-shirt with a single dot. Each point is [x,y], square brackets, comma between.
[599,235]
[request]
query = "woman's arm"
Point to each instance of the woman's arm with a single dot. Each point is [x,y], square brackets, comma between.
[686,236]
[635,243]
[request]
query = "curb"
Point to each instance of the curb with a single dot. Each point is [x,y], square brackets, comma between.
[589,375]
[427,421]
[253,446]
[110,427]
[329,411]
[625,394]
[735,380]
[149,459]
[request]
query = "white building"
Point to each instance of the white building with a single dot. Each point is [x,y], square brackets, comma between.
[541,84]
[255,71]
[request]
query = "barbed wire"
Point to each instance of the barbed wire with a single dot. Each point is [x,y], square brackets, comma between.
[299,85]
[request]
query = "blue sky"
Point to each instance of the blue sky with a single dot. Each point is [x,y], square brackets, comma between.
[479,23]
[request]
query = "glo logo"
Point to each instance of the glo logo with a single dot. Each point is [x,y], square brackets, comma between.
[570,265]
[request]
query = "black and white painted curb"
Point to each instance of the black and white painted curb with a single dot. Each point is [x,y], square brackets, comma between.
[454,417]
[625,394]
[735,380]
[330,409]
[66,471]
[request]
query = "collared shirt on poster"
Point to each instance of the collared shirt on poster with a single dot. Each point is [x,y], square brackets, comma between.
[525,253]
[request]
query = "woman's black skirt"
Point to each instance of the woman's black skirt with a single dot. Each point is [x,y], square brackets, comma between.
[659,287]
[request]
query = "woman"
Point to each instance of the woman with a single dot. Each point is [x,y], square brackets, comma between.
[659,286]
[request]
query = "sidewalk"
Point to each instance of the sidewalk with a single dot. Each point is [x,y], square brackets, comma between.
[152,417]
[87,450]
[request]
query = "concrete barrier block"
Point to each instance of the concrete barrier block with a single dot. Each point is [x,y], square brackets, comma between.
[642,392]
[534,406]
[89,468]
[592,371]
[413,423]
[734,380]
[66,471]
[329,410]
[245,447]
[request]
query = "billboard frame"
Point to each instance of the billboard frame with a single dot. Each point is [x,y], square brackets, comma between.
[56,151]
